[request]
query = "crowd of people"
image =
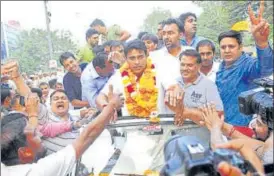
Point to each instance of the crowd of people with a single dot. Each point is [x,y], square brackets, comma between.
[172,72]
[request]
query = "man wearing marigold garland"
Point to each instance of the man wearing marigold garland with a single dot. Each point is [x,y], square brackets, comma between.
[141,83]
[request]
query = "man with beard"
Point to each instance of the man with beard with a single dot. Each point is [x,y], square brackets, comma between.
[189,22]
[85,54]
[71,80]
[169,55]
[171,36]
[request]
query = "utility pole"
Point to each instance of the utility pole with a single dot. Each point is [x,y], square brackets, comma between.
[47,15]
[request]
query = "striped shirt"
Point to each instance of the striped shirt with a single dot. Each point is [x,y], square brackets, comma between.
[61,141]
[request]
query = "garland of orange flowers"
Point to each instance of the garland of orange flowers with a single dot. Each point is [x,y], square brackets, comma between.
[142,102]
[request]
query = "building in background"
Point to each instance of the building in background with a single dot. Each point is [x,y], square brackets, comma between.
[9,35]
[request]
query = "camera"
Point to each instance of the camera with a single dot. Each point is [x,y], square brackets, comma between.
[258,101]
[186,155]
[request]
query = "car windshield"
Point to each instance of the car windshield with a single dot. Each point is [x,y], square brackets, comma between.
[132,146]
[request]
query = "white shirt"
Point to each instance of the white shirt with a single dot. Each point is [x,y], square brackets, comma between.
[163,80]
[165,51]
[60,163]
[212,73]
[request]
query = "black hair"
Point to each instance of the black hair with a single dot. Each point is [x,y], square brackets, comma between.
[97,49]
[184,16]
[135,44]
[108,43]
[12,137]
[141,34]
[91,32]
[52,83]
[151,37]
[193,53]
[231,34]
[43,83]
[65,56]
[174,21]
[100,59]
[56,91]
[116,43]
[206,42]
[38,91]
[97,22]
[5,92]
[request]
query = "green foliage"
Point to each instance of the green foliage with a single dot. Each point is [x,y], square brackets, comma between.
[33,51]
[219,16]
[271,34]
[212,21]
[151,22]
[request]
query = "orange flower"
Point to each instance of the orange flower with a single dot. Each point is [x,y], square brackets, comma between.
[140,102]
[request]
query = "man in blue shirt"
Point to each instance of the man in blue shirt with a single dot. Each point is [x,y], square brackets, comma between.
[71,80]
[189,38]
[238,69]
[95,76]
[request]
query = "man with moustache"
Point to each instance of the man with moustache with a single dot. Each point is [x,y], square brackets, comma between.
[171,35]
[189,38]
[238,69]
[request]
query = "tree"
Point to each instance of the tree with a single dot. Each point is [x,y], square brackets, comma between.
[157,15]
[33,53]
[213,20]
[219,16]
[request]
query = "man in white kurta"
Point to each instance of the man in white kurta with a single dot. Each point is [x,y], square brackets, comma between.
[164,77]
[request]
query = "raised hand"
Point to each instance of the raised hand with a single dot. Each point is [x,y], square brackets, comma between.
[211,117]
[117,100]
[116,57]
[259,26]
[245,150]
[10,69]
[225,169]
[87,112]
[32,108]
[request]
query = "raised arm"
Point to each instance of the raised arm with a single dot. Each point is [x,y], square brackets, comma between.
[263,65]
[94,129]
[11,69]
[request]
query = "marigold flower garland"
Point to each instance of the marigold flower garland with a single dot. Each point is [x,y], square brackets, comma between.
[143,101]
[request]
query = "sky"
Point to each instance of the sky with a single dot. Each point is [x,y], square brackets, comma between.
[77,15]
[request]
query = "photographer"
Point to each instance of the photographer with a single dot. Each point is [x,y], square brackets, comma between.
[248,147]
[261,130]
[242,146]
